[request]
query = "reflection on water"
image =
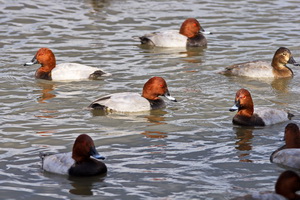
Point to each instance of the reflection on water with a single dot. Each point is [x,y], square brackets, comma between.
[155,134]
[97,112]
[193,54]
[156,117]
[47,114]
[190,54]
[244,142]
[85,185]
[281,85]
[47,88]
[98,5]
[46,133]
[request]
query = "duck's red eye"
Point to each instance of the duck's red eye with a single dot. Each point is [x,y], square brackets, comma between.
[195,24]
[161,85]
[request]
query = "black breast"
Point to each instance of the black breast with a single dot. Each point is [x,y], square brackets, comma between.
[43,75]
[157,104]
[197,41]
[90,167]
[254,120]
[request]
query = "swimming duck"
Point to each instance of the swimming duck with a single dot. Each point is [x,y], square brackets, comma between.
[288,154]
[189,35]
[247,116]
[286,187]
[134,102]
[78,162]
[64,71]
[259,69]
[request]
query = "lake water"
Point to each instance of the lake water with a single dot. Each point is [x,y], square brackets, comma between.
[189,150]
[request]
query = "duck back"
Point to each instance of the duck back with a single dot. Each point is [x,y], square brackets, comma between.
[250,69]
[272,116]
[58,163]
[73,71]
[171,38]
[287,157]
[122,102]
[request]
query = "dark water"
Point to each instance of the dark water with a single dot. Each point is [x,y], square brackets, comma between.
[190,150]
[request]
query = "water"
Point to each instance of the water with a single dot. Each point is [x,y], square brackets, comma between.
[190,150]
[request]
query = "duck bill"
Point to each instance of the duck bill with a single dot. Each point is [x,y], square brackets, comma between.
[94,153]
[293,62]
[33,62]
[205,32]
[168,96]
[235,107]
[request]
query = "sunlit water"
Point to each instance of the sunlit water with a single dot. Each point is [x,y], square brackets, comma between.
[189,150]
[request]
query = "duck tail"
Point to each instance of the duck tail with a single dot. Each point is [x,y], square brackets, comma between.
[98,74]
[42,156]
[143,40]
[290,115]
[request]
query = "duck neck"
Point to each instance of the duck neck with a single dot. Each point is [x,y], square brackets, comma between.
[80,159]
[245,113]
[246,110]
[281,70]
[44,72]
[197,40]
[41,74]
[295,143]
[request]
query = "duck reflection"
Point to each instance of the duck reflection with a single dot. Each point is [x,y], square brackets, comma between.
[243,142]
[47,88]
[281,84]
[98,5]
[84,185]
[46,133]
[154,134]
[98,112]
[190,54]
[156,117]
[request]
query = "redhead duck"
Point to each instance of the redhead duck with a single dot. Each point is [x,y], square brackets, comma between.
[288,154]
[77,162]
[134,102]
[189,35]
[247,116]
[287,184]
[64,71]
[277,69]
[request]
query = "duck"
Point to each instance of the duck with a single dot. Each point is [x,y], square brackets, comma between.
[189,35]
[64,71]
[248,116]
[134,102]
[288,154]
[78,162]
[286,187]
[263,69]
